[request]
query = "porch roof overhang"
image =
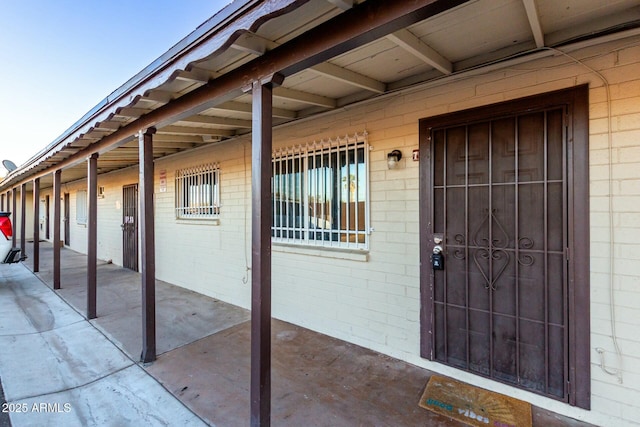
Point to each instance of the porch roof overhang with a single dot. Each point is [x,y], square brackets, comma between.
[333,53]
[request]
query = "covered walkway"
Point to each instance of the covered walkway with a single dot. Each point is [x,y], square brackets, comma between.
[204,360]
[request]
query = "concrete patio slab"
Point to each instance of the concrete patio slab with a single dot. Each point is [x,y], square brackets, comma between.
[32,307]
[182,316]
[55,360]
[129,397]
[59,369]
[189,318]
[316,380]
[204,363]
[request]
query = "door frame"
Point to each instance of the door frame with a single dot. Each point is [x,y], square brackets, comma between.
[576,100]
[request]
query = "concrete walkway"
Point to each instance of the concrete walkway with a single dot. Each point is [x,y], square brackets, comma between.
[57,369]
[87,373]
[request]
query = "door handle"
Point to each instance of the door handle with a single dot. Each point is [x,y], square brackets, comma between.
[437,258]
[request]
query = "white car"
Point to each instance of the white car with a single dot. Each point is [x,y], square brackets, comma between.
[8,254]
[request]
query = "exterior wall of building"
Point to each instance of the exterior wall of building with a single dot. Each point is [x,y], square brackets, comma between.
[43,194]
[372,298]
[77,230]
[109,214]
[183,247]
[43,216]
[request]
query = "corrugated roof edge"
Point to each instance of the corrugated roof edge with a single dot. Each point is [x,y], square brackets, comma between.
[219,19]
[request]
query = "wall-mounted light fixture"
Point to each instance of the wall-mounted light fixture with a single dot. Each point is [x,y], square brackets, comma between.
[393,158]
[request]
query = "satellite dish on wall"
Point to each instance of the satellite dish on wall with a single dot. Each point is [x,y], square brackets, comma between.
[9,165]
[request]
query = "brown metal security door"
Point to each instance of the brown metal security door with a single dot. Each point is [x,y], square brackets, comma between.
[47,228]
[130,227]
[67,224]
[499,204]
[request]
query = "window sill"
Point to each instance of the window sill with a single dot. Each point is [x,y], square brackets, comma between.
[198,221]
[360,255]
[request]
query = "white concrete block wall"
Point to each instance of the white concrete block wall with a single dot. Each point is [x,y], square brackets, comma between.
[372,299]
[77,231]
[621,69]
[374,302]
[208,256]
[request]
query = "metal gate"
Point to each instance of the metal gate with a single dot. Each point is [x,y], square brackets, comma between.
[67,228]
[46,217]
[130,226]
[499,218]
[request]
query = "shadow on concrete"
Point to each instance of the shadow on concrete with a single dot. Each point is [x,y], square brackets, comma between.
[204,357]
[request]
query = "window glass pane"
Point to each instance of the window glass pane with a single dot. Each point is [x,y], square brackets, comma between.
[321,194]
[352,189]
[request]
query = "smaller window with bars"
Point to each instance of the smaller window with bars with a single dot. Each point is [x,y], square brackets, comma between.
[198,192]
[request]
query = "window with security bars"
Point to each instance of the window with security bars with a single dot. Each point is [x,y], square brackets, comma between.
[320,193]
[198,192]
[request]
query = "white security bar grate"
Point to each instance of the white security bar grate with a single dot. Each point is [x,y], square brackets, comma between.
[320,193]
[198,192]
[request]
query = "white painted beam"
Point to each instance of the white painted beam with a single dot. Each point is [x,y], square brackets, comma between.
[304,97]
[253,44]
[185,139]
[219,121]
[534,22]
[172,144]
[158,96]
[342,4]
[412,44]
[257,45]
[241,107]
[350,77]
[132,112]
[108,125]
[188,130]
[195,75]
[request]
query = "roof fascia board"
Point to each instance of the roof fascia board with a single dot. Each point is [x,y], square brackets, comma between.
[205,37]
[364,23]
[493,66]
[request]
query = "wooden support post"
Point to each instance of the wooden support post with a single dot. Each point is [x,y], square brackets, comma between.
[23,221]
[14,194]
[92,235]
[36,225]
[56,229]
[262,92]
[147,234]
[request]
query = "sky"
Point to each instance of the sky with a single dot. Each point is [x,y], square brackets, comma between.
[60,58]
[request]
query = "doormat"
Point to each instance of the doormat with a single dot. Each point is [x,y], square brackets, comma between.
[474,406]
